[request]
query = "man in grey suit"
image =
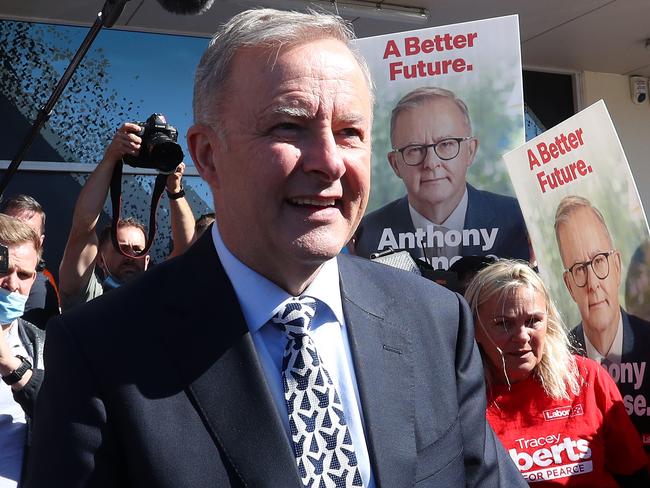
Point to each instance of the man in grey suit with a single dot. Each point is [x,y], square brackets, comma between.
[442,217]
[260,358]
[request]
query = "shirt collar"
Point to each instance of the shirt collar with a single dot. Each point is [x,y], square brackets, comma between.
[455,221]
[259,297]
[615,351]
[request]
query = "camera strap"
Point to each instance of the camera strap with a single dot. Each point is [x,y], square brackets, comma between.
[116,203]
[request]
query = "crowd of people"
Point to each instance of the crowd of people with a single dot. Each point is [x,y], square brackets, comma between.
[260,355]
[91,265]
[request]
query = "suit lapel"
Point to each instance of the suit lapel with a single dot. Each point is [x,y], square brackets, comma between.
[383,364]
[478,214]
[223,376]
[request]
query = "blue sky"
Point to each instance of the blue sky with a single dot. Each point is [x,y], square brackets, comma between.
[157,68]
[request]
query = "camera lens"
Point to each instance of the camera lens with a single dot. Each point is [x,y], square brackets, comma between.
[167,155]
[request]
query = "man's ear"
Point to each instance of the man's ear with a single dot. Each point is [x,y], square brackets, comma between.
[205,145]
[473,149]
[617,266]
[392,160]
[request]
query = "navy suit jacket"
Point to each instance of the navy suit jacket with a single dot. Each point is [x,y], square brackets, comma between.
[636,349]
[157,384]
[485,210]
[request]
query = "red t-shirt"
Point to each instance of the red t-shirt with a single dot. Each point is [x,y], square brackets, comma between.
[578,442]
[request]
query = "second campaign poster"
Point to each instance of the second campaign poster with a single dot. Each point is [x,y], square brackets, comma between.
[448,105]
[591,240]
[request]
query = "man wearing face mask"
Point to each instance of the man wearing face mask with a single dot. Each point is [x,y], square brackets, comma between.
[86,252]
[21,347]
[43,301]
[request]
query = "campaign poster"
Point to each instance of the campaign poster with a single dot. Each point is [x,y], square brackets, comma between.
[590,236]
[448,105]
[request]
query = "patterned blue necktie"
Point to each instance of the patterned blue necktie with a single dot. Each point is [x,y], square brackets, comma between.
[320,435]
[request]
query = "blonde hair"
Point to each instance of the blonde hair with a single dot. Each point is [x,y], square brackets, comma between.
[557,370]
[14,232]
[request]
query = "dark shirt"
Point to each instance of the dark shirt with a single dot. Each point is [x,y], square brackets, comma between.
[42,302]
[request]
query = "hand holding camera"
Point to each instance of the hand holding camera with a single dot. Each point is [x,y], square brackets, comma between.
[126,141]
[157,145]
[150,144]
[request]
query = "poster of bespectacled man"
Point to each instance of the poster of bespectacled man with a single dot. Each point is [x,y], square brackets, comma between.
[590,236]
[448,104]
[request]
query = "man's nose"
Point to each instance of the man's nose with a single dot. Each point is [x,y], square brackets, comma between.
[431,160]
[10,282]
[324,156]
[593,281]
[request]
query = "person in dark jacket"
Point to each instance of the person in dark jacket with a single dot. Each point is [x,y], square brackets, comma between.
[21,345]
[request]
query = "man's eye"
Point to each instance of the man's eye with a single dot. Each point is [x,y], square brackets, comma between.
[286,129]
[25,276]
[131,249]
[413,150]
[350,137]
[352,132]
[580,269]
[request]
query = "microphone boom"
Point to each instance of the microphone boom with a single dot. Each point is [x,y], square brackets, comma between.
[186,7]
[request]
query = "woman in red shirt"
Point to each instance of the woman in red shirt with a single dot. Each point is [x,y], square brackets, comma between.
[560,416]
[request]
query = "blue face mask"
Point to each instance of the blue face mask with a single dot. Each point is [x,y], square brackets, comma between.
[111,283]
[12,306]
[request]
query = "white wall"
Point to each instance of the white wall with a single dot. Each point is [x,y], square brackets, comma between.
[632,123]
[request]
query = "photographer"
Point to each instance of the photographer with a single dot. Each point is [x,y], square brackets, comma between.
[84,250]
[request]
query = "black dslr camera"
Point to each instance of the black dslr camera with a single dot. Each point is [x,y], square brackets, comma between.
[158,149]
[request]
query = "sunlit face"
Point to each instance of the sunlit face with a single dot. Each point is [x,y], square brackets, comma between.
[434,182]
[581,238]
[291,177]
[23,259]
[516,324]
[122,268]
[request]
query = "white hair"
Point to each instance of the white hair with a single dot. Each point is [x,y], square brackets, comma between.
[265,29]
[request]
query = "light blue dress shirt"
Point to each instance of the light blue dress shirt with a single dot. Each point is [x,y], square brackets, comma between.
[259,299]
